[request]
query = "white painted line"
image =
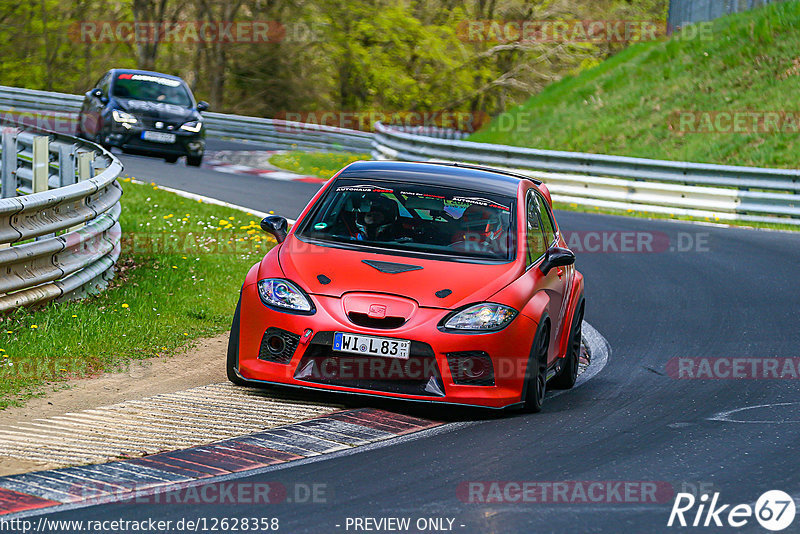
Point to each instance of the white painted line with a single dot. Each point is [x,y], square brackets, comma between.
[726,415]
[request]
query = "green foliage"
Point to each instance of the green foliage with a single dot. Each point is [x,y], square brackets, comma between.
[319,164]
[629,104]
[345,55]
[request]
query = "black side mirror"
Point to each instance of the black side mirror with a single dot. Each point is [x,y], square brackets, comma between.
[98,94]
[556,257]
[202,106]
[275,225]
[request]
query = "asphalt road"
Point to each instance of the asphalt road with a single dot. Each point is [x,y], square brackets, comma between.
[732,295]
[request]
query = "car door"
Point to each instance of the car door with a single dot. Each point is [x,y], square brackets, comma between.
[541,235]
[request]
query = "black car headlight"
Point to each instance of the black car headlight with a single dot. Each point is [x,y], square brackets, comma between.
[192,126]
[483,317]
[284,295]
[123,117]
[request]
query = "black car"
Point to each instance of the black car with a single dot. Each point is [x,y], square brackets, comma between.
[143,112]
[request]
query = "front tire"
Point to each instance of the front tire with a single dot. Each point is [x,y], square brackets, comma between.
[568,374]
[170,159]
[194,161]
[233,349]
[536,370]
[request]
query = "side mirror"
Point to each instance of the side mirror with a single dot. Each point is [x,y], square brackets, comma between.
[202,106]
[556,257]
[275,225]
[98,94]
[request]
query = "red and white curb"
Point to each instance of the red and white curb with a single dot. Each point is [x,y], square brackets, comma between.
[220,163]
[115,481]
[336,433]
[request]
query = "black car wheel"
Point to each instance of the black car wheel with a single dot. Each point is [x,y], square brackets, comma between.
[233,349]
[170,159]
[194,161]
[536,371]
[568,374]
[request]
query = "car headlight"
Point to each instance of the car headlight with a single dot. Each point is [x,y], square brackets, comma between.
[192,126]
[279,293]
[484,317]
[122,117]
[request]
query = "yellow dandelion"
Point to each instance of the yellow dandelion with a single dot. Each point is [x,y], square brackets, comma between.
[74,315]
[125,306]
[34,326]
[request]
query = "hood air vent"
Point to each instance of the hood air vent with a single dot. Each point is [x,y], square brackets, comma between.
[391,268]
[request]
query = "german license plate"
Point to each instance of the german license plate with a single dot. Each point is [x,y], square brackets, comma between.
[158,137]
[372,345]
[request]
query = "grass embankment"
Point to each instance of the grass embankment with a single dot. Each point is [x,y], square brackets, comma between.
[630,104]
[182,265]
[319,164]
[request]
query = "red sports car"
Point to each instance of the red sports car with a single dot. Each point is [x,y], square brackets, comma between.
[446,283]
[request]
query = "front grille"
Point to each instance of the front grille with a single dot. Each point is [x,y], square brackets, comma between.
[471,368]
[362,319]
[278,345]
[418,375]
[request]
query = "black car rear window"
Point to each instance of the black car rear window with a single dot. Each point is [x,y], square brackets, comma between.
[414,218]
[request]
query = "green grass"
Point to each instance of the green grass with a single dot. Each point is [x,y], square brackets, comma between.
[180,275]
[627,105]
[319,164]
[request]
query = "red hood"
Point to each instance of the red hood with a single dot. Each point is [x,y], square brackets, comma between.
[468,282]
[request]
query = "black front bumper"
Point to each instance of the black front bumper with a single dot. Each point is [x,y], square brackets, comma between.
[130,140]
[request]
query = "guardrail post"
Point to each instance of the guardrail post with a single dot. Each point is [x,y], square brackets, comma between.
[41,163]
[85,160]
[8,166]
[66,165]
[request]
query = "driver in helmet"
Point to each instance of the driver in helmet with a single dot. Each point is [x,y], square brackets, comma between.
[377,218]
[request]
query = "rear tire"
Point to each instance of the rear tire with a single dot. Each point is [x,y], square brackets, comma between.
[536,370]
[568,374]
[170,159]
[194,161]
[233,349]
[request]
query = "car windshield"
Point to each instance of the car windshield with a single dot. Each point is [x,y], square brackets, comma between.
[152,89]
[415,218]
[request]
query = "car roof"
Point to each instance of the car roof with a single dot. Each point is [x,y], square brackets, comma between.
[457,175]
[148,72]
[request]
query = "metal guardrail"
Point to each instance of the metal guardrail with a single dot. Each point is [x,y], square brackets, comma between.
[63,108]
[59,218]
[684,12]
[681,188]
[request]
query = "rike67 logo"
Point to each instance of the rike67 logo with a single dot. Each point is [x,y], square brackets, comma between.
[774,510]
